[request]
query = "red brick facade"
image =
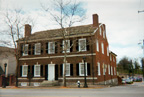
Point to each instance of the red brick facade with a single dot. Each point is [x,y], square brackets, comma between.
[97,32]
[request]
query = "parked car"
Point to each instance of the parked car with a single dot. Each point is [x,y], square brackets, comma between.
[138,79]
[129,81]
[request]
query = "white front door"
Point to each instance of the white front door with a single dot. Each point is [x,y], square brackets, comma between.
[51,72]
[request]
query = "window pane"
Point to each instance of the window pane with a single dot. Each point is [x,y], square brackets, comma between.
[37,48]
[37,70]
[51,47]
[25,70]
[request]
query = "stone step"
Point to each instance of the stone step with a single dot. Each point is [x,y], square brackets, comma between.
[49,83]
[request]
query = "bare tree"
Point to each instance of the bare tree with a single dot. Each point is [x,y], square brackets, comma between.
[65,13]
[14,22]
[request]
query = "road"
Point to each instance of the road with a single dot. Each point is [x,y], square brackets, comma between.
[134,90]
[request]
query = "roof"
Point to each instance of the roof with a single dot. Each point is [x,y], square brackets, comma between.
[6,49]
[77,30]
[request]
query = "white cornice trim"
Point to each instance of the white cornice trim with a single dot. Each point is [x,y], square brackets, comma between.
[75,55]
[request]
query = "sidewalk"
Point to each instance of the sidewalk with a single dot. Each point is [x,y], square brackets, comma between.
[57,87]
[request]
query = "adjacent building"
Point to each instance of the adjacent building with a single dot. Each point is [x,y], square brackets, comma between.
[42,55]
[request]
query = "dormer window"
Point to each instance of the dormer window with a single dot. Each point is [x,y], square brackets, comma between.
[82,44]
[37,48]
[51,47]
[25,49]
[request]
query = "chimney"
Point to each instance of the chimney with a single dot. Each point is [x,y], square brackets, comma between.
[27,30]
[95,20]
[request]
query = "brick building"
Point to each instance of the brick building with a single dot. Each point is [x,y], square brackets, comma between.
[41,55]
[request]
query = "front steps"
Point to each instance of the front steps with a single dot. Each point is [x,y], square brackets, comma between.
[49,83]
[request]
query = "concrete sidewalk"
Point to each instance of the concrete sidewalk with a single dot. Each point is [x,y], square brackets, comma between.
[57,87]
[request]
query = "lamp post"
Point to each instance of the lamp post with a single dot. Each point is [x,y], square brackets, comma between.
[85,81]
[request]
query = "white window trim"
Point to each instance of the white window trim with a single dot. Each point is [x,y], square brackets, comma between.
[49,47]
[35,70]
[99,73]
[97,45]
[68,49]
[104,69]
[23,70]
[80,68]
[84,44]
[102,47]
[25,45]
[65,68]
[36,48]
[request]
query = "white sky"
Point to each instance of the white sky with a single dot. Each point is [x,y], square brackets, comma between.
[124,26]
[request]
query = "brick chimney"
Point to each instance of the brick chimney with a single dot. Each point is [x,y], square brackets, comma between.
[95,20]
[27,30]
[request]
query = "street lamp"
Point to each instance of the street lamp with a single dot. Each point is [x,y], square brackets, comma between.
[85,82]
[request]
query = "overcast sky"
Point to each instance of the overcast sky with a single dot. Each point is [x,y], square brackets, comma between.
[124,26]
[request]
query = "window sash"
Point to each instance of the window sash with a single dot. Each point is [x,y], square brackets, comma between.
[82,44]
[67,69]
[81,67]
[99,73]
[24,70]
[37,70]
[25,49]
[66,45]
[51,47]
[103,33]
[37,48]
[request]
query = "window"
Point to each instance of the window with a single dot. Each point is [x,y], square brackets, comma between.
[97,45]
[103,33]
[37,48]
[24,70]
[51,47]
[37,70]
[67,69]
[99,73]
[102,46]
[113,59]
[107,51]
[104,68]
[81,69]
[67,45]
[100,31]
[111,70]
[82,44]
[114,71]
[25,49]
[110,58]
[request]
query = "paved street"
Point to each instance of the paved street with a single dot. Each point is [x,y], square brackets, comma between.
[134,90]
